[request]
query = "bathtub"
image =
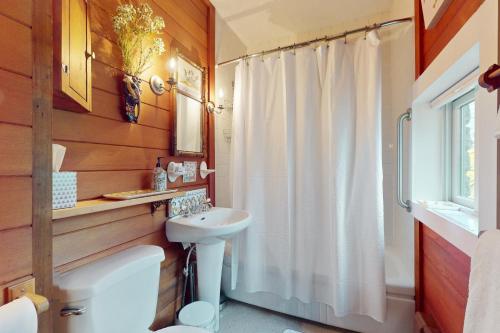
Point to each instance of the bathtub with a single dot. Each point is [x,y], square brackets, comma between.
[400,300]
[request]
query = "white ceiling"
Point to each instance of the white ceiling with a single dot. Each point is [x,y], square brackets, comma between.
[268,23]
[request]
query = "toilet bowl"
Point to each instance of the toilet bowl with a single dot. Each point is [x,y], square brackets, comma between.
[116,294]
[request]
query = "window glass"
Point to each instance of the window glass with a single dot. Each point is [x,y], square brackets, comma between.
[462,150]
[466,173]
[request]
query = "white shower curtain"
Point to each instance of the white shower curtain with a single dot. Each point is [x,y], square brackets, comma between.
[307,163]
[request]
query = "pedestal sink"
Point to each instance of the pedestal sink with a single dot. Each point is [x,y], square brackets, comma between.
[209,231]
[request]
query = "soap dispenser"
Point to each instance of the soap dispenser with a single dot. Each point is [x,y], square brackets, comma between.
[159,177]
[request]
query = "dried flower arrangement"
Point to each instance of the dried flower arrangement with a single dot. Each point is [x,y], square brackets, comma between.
[137,32]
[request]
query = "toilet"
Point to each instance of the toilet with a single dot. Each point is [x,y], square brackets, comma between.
[116,294]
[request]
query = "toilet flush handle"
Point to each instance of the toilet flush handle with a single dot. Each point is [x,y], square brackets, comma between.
[66,312]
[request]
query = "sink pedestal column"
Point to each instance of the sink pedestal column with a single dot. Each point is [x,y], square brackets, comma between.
[209,259]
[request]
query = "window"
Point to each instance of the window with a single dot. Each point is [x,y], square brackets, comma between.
[461,128]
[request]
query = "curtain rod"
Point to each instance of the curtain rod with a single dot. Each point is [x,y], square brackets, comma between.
[323,39]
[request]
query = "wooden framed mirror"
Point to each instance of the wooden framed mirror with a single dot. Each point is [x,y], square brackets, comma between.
[188,106]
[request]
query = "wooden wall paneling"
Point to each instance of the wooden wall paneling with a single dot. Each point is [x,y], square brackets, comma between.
[71,224]
[108,79]
[193,11]
[188,40]
[15,98]
[111,155]
[456,20]
[108,105]
[429,43]
[445,305]
[442,275]
[418,264]
[102,157]
[156,238]
[93,184]
[19,10]
[42,154]
[184,19]
[15,254]
[101,130]
[15,152]
[16,47]
[419,32]
[15,202]
[201,5]
[79,244]
[105,77]
[15,144]
[166,316]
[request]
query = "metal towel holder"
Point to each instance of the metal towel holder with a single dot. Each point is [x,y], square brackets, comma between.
[406,204]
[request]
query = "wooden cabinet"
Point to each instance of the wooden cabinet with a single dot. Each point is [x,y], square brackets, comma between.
[72,55]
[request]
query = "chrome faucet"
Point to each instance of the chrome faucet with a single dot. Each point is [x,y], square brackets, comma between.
[207,205]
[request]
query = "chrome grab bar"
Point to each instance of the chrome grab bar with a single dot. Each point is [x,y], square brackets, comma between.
[403,203]
[66,312]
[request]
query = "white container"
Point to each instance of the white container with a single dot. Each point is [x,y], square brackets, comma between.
[198,314]
[63,190]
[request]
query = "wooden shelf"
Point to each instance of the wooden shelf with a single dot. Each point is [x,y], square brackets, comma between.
[101,205]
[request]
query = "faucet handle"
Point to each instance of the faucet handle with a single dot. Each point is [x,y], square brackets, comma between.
[208,202]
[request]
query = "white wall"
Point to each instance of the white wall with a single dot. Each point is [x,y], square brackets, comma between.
[397,80]
[227,46]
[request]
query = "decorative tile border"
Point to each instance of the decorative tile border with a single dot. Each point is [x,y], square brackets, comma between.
[192,199]
[190,169]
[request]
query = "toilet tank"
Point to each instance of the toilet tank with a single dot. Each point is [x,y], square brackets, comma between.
[118,293]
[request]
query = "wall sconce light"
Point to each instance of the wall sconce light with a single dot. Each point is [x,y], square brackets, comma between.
[158,85]
[211,108]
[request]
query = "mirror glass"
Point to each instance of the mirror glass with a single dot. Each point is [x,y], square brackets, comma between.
[189,113]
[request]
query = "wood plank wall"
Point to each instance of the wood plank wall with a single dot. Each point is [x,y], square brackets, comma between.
[16,68]
[441,280]
[111,155]
[429,43]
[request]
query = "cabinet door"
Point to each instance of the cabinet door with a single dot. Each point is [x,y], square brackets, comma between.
[76,54]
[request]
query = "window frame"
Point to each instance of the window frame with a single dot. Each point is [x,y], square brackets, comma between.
[453,144]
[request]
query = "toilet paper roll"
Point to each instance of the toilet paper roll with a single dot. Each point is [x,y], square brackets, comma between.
[18,316]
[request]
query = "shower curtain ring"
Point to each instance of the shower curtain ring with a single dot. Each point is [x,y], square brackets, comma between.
[366,31]
[293,52]
[345,37]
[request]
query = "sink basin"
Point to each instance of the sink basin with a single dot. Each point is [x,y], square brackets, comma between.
[209,232]
[209,227]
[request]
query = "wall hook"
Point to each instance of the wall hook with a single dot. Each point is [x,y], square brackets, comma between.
[204,170]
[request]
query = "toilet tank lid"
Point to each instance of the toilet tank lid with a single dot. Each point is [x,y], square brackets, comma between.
[89,280]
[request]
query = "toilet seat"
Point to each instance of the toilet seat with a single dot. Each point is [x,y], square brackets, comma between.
[182,329]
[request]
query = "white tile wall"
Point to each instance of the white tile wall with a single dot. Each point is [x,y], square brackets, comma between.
[228,46]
